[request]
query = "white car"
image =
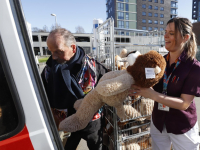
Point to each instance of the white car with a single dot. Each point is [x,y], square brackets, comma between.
[26,121]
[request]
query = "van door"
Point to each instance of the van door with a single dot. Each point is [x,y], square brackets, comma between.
[26,121]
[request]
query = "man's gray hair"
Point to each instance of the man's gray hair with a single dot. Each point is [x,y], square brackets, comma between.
[66,34]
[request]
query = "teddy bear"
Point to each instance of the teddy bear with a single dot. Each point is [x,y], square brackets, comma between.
[113,88]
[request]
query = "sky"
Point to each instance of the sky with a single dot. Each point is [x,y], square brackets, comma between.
[73,13]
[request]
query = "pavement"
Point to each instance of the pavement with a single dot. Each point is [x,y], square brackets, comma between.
[83,145]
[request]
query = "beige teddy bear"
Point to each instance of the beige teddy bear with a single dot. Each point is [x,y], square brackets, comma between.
[113,88]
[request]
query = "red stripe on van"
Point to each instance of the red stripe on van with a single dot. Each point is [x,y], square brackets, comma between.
[20,141]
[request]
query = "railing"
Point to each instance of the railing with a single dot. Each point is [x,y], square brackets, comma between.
[174,6]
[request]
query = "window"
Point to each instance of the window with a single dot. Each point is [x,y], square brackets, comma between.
[82,39]
[156,15]
[121,24]
[143,0]
[150,28]
[155,28]
[121,0]
[143,20]
[127,7]
[150,14]
[150,6]
[161,8]
[120,15]
[127,1]
[127,24]
[156,22]
[44,38]
[35,38]
[161,15]
[161,29]
[161,22]
[156,1]
[162,1]
[127,16]
[9,115]
[143,13]
[156,7]
[150,0]
[144,28]
[150,21]
[121,6]
[143,6]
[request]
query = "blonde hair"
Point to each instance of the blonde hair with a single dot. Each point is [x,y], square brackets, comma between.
[184,26]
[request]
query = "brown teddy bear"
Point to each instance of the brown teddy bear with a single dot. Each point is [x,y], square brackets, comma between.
[113,88]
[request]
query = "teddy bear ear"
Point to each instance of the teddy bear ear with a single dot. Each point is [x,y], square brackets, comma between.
[157,70]
[132,57]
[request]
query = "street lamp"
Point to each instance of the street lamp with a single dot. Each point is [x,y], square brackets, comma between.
[55,20]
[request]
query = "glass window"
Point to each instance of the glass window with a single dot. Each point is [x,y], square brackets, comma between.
[161,15]
[127,7]
[161,29]
[120,15]
[156,22]
[156,15]
[143,13]
[35,38]
[127,1]
[121,24]
[121,6]
[143,6]
[162,8]
[161,22]
[150,6]
[150,21]
[127,24]
[121,0]
[143,20]
[150,0]
[162,1]
[155,28]
[8,113]
[150,28]
[156,1]
[156,7]
[144,28]
[150,14]
[127,16]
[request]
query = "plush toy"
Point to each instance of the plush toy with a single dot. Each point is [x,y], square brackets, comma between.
[120,60]
[113,88]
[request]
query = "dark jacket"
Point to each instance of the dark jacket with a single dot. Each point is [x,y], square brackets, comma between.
[69,91]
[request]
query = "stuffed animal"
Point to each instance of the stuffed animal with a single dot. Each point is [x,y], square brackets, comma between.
[120,60]
[113,88]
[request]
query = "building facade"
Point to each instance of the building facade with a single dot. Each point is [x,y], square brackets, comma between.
[196,10]
[40,48]
[141,14]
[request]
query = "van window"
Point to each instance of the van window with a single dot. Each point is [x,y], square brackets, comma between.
[8,114]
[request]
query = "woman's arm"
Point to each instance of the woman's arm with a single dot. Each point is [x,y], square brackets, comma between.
[181,103]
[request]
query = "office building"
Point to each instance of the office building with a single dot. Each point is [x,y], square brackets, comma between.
[141,14]
[196,10]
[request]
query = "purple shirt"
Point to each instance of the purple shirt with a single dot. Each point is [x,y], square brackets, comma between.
[184,80]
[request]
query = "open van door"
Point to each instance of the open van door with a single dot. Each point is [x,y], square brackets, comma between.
[26,122]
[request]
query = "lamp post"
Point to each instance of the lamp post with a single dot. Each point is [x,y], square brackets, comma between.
[55,20]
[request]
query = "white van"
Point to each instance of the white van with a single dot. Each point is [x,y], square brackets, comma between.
[26,122]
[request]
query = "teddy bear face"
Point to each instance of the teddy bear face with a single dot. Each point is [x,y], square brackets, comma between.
[152,59]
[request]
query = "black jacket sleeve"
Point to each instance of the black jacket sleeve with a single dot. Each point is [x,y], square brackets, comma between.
[101,70]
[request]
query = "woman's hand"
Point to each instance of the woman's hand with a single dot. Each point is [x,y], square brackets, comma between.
[145,92]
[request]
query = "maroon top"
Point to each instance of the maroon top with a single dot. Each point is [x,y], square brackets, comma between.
[184,80]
